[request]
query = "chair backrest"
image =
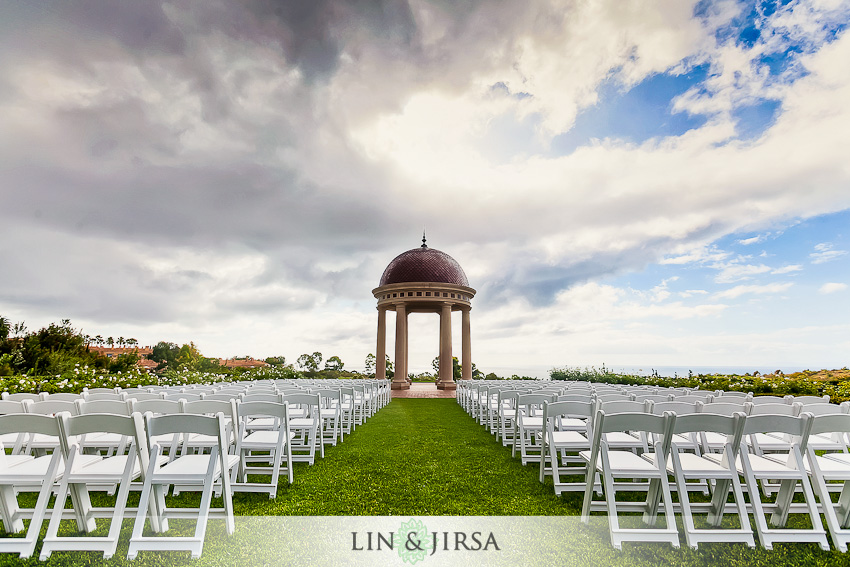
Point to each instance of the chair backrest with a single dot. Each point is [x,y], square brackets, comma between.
[183,396]
[50,407]
[21,396]
[100,390]
[29,423]
[810,400]
[724,394]
[305,399]
[621,406]
[11,406]
[660,426]
[265,409]
[131,426]
[775,409]
[64,397]
[758,400]
[704,397]
[219,396]
[653,397]
[571,397]
[115,407]
[188,423]
[212,407]
[569,409]
[105,396]
[827,409]
[721,408]
[679,408]
[830,423]
[532,404]
[617,396]
[730,425]
[328,397]
[140,396]
[261,397]
[158,406]
[797,427]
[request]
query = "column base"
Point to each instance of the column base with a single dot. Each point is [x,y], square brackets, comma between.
[400,386]
[447,386]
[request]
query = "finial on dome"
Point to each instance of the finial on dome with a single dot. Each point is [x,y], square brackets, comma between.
[423,240]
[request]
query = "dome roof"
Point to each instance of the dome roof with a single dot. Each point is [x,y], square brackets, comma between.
[424,264]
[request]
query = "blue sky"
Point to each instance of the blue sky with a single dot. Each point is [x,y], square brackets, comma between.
[661,183]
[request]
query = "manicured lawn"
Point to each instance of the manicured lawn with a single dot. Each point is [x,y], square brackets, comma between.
[426,457]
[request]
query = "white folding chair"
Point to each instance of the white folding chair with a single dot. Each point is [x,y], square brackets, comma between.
[528,428]
[330,409]
[272,447]
[828,469]
[84,472]
[304,422]
[567,432]
[201,471]
[506,415]
[25,473]
[791,473]
[613,464]
[688,466]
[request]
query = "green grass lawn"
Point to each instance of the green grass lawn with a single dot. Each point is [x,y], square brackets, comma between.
[426,457]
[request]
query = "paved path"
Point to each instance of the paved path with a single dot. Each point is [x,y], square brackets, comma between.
[423,390]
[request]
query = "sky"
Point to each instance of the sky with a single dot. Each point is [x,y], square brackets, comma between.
[653,183]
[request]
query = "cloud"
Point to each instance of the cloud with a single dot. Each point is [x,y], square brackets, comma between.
[200,165]
[825,253]
[740,290]
[791,268]
[754,240]
[832,287]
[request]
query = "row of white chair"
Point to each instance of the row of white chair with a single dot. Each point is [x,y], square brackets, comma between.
[642,444]
[64,447]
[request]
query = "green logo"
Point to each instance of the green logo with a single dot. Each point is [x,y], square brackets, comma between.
[412,541]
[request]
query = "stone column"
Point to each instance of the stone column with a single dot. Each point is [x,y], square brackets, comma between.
[400,378]
[446,375]
[381,351]
[466,360]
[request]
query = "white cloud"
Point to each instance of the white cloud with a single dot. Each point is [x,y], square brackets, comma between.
[753,240]
[740,290]
[832,287]
[735,272]
[788,269]
[825,253]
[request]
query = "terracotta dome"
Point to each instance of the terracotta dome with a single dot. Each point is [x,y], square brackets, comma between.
[424,264]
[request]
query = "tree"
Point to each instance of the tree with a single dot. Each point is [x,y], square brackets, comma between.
[98,340]
[164,354]
[5,328]
[121,342]
[110,341]
[457,371]
[276,360]
[310,362]
[371,364]
[334,363]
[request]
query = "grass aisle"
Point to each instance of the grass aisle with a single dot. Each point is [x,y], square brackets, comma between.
[414,457]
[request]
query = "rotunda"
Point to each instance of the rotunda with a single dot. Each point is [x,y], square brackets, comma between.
[424,280]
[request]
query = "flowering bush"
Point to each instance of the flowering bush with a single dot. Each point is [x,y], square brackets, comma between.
[777,384]
[90,377]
